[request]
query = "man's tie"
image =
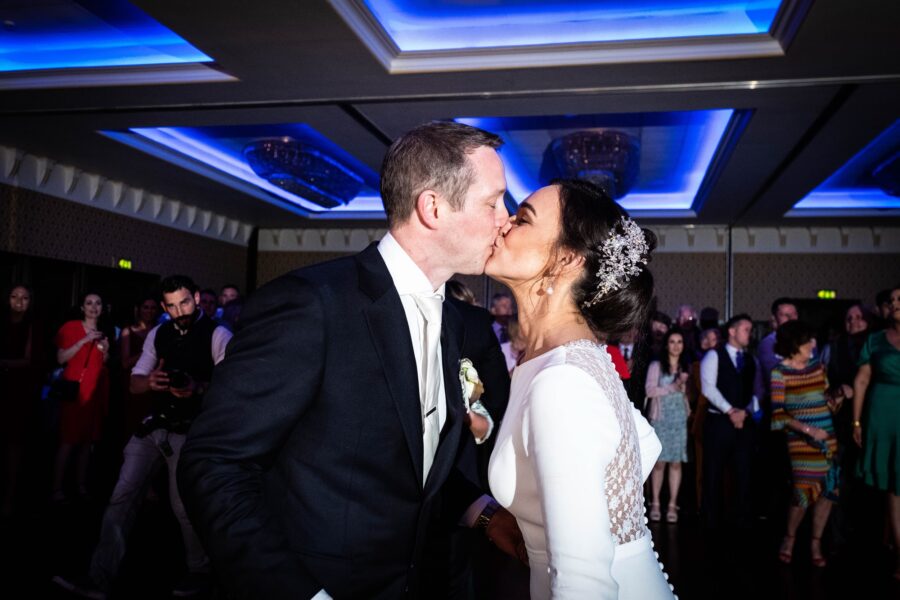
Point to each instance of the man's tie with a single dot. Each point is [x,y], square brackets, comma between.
[626,352]
[430,305]
[739,361]
[504,334]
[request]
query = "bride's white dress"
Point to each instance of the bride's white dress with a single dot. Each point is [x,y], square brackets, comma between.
[569,463]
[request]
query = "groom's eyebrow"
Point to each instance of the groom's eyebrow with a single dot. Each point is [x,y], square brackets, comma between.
[527,206]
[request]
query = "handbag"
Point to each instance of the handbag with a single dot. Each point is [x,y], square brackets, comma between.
[65,390]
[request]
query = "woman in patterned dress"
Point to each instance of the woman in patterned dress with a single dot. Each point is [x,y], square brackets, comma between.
[801,407]
[668,413]
[572,453]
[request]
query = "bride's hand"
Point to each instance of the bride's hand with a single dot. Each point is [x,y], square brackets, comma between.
[504,532]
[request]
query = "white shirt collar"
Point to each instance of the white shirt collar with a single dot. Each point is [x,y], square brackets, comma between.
[407,276]
[732,350]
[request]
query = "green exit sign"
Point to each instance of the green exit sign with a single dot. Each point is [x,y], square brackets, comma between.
[124,263]
[826,294]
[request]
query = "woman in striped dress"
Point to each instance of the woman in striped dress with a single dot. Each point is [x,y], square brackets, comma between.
[801,407]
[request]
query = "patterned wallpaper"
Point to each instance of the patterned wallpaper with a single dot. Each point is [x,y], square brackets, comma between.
[760,278]
[700,278]
[697,277]
[39,225]
[692,278]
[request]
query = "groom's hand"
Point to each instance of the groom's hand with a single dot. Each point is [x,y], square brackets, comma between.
[504,532]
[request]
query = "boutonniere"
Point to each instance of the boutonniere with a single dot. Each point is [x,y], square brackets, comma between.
[472,388]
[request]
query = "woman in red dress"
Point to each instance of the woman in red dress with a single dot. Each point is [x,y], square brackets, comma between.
[83,349]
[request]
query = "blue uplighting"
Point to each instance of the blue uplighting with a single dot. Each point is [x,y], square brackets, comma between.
[89,33]
[677,149]
[217,152]
[428,25]
[853,187]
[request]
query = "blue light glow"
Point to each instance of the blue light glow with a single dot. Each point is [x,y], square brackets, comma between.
[852,188]
[428,25]
[216,152]
[676,151]
[91,33]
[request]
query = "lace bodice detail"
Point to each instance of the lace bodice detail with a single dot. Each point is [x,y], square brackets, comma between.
[624,489]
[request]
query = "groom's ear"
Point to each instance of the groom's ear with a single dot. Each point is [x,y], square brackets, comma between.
[427,207]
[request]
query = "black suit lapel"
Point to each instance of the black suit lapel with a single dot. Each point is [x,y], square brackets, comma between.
[390,334]
[451,334]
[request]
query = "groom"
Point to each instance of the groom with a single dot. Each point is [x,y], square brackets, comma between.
[327,443]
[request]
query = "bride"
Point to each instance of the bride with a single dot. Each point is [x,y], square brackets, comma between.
[572,453]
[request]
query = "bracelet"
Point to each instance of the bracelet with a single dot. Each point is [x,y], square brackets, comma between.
[857,424]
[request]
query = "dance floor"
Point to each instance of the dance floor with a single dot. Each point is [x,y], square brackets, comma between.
[728,563]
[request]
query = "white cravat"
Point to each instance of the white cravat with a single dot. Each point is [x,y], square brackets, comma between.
[430,306]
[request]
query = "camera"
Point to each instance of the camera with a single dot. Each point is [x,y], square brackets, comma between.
[178,379]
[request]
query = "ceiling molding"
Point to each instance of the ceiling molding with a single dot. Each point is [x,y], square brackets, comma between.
[722,47]
[671,239]
[114,76]
[67,182]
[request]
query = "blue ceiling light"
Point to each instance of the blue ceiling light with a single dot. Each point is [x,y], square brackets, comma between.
[290,165]
[868,184]
[61,34]
[429,25]
[420,36]
[667,164]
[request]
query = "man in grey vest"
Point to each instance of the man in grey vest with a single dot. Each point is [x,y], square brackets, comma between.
[176,366]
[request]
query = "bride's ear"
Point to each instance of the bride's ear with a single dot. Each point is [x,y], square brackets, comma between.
[570,261]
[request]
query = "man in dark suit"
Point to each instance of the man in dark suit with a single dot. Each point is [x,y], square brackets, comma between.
[731,380]
[328,443]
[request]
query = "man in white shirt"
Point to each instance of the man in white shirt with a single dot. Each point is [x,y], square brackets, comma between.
[731,380]
[327,448]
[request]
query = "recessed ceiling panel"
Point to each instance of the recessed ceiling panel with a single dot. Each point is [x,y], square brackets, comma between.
[290,164]
[868,184]
[417,25]
[59,34]
[655,164]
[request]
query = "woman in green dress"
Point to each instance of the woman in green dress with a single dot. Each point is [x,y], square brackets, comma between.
[877,429]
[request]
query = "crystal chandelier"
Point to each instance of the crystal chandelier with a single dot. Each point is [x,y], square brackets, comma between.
[610,159]
[303,170]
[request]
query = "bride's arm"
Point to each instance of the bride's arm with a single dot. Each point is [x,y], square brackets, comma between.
[648,442]
[572,436]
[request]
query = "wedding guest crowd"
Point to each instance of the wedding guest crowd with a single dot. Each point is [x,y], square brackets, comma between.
[793,422]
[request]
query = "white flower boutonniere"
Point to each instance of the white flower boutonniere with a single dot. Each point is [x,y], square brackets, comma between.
[472,388]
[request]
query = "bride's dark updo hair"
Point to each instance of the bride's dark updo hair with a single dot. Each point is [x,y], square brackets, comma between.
[588,218]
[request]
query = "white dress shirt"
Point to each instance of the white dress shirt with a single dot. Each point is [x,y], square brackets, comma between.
[709,375]
[409,279]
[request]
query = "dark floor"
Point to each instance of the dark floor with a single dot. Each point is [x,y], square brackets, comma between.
[42,541]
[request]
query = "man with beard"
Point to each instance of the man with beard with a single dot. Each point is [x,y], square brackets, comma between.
[176,366]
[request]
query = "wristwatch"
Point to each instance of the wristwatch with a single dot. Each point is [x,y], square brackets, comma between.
[487,514]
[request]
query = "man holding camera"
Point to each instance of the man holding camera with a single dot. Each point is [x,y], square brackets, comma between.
[176,366]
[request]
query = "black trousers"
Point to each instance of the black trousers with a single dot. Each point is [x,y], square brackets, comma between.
[723,447]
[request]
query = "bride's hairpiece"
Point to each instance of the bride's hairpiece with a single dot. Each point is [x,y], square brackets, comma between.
[621,255]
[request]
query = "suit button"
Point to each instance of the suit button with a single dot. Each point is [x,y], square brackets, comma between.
[412,565]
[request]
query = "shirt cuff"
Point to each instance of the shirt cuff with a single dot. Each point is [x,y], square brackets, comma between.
[474,511]
[479,409]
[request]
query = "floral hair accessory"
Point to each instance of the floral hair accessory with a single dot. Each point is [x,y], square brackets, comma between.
[621,257]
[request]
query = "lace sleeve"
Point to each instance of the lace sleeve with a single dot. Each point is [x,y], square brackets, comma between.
[573,434]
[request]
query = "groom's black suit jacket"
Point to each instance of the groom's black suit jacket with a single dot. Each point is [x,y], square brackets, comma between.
[304,469]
